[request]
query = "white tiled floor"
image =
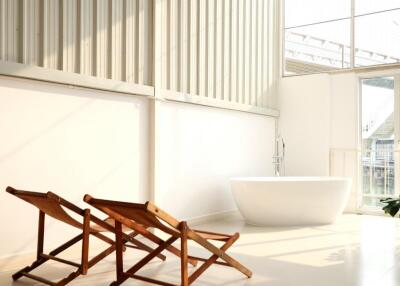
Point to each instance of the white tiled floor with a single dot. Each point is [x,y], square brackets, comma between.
[357,250]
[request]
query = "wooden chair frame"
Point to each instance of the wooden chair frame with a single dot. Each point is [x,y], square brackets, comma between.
[147,215]
[53,205]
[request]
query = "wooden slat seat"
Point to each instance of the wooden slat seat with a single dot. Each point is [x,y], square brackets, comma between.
[53,205]
[109,221]
[135,216]
[213,235]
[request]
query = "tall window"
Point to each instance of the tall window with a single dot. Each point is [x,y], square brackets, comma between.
[379,114]
[328,35]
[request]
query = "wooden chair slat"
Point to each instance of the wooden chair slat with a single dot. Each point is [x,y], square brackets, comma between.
[135,216]
[52,205]
[136,212]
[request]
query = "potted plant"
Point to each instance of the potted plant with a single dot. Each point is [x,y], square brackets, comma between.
[392,206]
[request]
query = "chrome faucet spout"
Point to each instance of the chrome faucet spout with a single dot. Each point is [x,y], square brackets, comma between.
[279,157]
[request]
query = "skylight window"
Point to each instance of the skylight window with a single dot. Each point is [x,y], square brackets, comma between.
[322,36]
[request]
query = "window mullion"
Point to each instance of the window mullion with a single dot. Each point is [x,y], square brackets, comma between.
[352,36]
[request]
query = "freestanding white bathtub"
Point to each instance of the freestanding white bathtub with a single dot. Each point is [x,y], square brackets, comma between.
[290,201]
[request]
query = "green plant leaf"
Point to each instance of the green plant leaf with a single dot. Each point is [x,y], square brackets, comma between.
[392,206]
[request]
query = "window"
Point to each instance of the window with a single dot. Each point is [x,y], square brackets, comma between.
[321,36]
[379,158]
[377,139]
[377,33]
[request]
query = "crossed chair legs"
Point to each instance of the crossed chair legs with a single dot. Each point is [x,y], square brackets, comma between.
[85,264]
[121,243]
[186,234]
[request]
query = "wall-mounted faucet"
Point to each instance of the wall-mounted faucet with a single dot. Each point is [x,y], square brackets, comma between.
[279,157]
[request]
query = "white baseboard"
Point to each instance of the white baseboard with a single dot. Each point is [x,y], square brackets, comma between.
[211,217]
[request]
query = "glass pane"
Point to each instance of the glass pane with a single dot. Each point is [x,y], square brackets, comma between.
[370,6]
[378,172]
[317,48]
[312,11]
[377,39]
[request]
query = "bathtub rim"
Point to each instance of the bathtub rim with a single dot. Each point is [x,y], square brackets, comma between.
[288,179]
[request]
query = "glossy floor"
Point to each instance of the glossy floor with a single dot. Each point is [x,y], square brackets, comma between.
[357,250]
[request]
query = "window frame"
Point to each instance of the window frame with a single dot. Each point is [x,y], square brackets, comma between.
[352,68]
[395,73]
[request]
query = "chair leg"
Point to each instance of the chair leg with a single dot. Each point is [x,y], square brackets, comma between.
[40,241]
[220,253]
[39,251]
[184,255]
[42,260]
[119,250]
[213,259]
[130,273]
[85,242]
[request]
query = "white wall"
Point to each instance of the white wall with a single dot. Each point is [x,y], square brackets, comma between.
[74,141]
[319,121]
[69,141]
[201,148]
[345,131]
[343,111]
[304,124]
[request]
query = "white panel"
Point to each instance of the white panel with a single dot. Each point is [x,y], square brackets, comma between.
[145,42]
[69,36]
[253,52]
[9,30]
[102,41]
[247,54]
[268,66]
[116,39]
[193,56]
[86,53]
[67,140]
[164,38]
[210,48]
[3,29]
[51,52]
[240,49]
[173,49]
[260,52]
[31,33]
[202,72]
[159,46]
[141,39]
[131,40]
[184,46]
[234,48]
[226,51]
[218,49]
[206,152]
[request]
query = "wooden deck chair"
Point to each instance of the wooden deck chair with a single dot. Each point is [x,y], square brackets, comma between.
[139,217]
[52,205]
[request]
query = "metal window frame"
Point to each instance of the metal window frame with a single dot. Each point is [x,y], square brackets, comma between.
[352,68]
[369,75]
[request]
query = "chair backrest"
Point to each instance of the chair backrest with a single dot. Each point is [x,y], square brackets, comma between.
[50,204]
[144,214]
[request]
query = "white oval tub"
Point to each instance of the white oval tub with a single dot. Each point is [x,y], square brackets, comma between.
[284,201]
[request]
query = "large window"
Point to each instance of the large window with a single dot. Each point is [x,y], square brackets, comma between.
[380,154]
[328,35]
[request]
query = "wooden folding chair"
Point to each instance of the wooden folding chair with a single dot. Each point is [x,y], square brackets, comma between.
[53,205]
[139,217]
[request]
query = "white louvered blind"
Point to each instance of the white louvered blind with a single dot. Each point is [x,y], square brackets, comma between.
[89,37]
[215,49]
[219,49]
